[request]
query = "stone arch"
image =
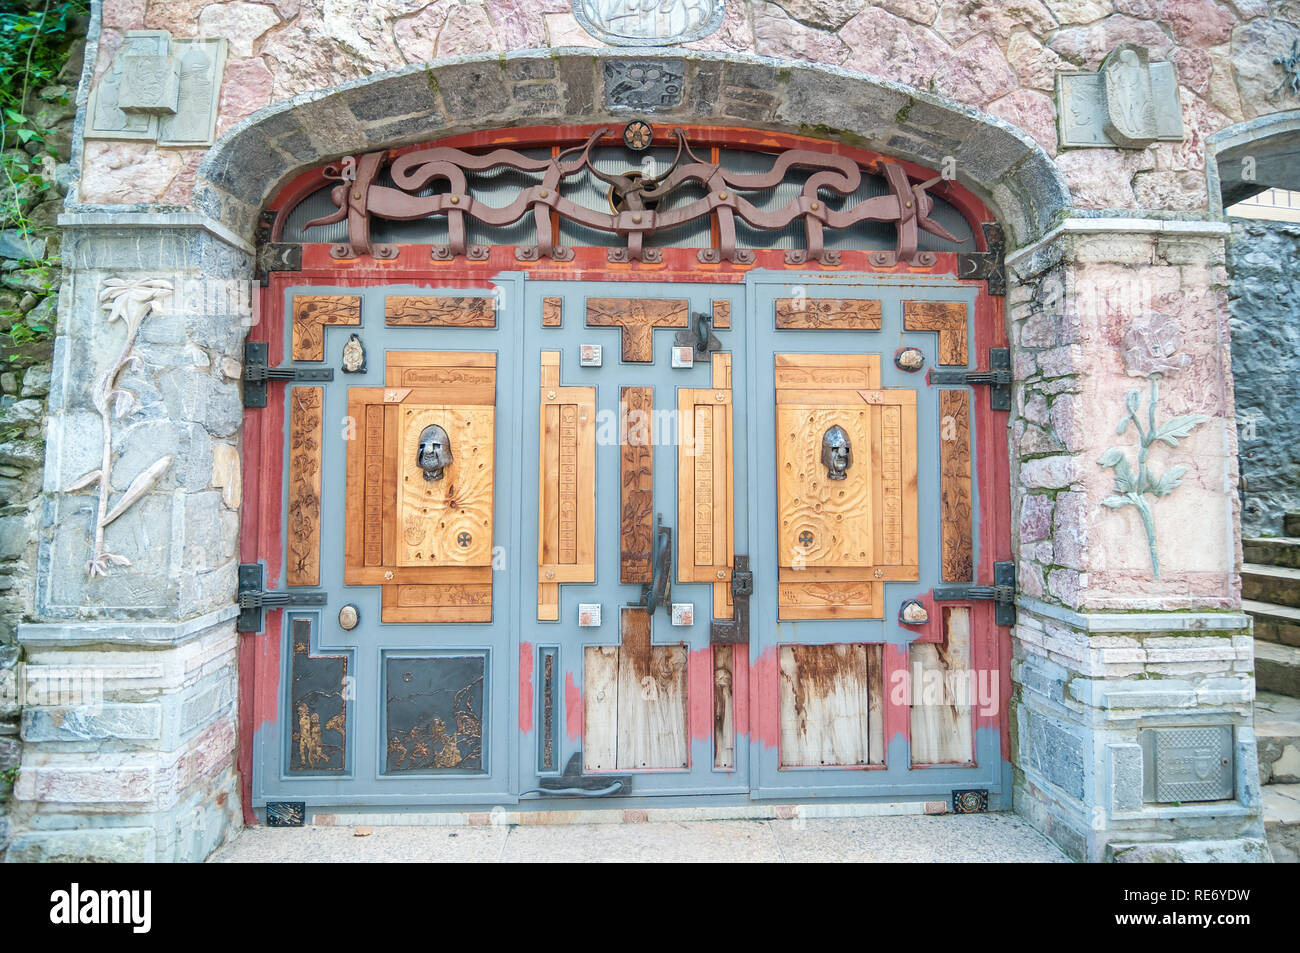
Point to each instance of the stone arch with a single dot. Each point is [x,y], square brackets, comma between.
[1002,164]
[1272,142]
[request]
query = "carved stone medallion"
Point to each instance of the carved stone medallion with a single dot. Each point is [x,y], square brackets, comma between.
[648,22]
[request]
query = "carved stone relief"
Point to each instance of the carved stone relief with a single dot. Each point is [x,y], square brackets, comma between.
[1130,103]
[648,22]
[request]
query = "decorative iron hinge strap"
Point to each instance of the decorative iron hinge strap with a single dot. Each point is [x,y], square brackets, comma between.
[1002,593]
[257,374]
[253,600]
[735,631]
[997,378]
[987,265]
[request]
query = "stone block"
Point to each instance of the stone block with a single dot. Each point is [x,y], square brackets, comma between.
[1245,850]
[105,722]
[105,845]
[1053,751]
[1124,776]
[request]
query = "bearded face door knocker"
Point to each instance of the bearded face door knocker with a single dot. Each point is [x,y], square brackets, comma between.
[837,453]
[434,454]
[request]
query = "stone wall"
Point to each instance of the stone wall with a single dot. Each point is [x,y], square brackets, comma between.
[29,293]
[996,55]
[1264,302]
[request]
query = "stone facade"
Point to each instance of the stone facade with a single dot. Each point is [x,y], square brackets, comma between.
[1263,261]
[1101,237]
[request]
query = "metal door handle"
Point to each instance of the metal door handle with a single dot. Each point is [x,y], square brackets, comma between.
[655,592]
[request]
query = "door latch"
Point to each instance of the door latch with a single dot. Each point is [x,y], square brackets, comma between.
[655,592]
[699,336]
[997,378]
[253,600]
[1002,593]
[735,631]
[257,374]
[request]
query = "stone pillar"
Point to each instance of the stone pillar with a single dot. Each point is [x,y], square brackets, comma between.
[128,718]
[1111,652]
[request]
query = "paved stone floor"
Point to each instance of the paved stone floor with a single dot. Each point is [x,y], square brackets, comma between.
[917,839]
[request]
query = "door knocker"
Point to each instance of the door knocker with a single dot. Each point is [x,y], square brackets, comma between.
[837,453]
[434,453]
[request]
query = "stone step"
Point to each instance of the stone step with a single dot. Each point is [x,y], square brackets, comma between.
[1274,623]
[1277,668]
[1291,524]
[1281,804]
[1279,585]
[1272,551]
[1277,737]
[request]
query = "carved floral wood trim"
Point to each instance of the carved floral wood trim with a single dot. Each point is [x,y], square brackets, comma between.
[311,313]
[948,318]
[306,420]
[850,314]
[440,311]
[955,485]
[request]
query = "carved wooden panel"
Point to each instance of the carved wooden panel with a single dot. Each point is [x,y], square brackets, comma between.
[634,697]
[948,318]
[942,724]
[428,543]
[440,311]
[724,706]
[310,315]
[552,312]
[306,410]
[566,487]
[705,514]
[636,484]
[831,705]
[721,314]
[638,317]
[843,314]
[434,709]
[318,707]
[839,539]
[955,485]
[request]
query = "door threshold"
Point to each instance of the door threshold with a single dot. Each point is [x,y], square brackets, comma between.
[501,817]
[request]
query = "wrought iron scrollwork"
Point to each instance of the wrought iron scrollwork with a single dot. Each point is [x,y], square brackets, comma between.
[635,197]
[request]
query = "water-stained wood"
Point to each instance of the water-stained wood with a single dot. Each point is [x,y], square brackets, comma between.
[638,317]
[724,706]
[476,311]
[636,484]
[311,313]
[306,410]
[566,487]
[833,314]
[941,694]
[955,485]
[827,702]
[948,318]
[552,312]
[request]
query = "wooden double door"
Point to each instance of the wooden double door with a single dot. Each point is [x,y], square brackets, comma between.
[612,540]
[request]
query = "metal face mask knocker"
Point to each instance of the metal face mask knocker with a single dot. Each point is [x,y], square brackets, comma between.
[837,453]
[434,453]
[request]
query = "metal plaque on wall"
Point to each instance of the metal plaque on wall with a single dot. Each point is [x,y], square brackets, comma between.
[1187,764]
[641,23]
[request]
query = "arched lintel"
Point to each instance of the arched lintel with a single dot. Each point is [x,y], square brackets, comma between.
[254,159]
[1272,142]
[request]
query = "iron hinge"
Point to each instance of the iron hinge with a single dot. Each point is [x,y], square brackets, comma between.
[735,631]
[997,378]
[257,374]
[987,265]
[1002,592]
[253,600]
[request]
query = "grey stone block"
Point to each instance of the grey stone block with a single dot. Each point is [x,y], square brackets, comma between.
[103,845]
[1124,776]
[1245,850]
[19,247]
[1052,750]
[141,721]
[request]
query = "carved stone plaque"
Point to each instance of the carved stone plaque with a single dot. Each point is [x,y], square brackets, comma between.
[654,23]
[1187,764]
[107,119]
[644,85]
[1130,103]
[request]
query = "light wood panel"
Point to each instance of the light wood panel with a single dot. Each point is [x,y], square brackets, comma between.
[721,314]
[829,696]
[306,415]
[566,490]
[941,690]
[705,513]
[948,318]
[552,312]
[311,313]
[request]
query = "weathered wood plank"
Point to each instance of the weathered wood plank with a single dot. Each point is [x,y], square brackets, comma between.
[724,707]
[942,729]
[825,705]
[600,708]
[652,723]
